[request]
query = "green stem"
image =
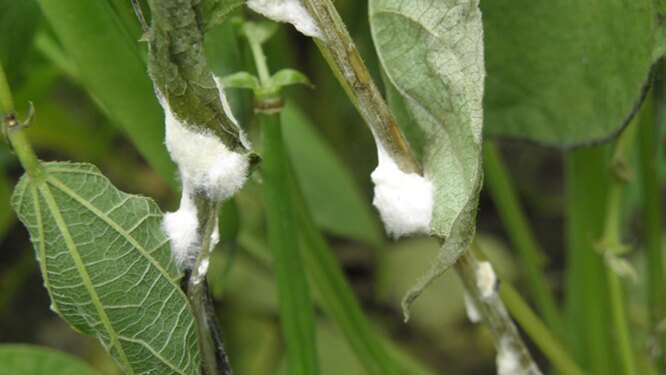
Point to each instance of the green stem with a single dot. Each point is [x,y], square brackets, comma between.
[538,332]
[611,243]
[296,309]
[649,139]
[587,301]
[12,127]
[343,57]
[517,226]
[259,61]
[496,318]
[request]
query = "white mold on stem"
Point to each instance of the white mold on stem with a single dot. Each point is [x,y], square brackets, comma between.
[289,11]
[181,227]
[470,308]
[486,280]
[205,163]
[404,200]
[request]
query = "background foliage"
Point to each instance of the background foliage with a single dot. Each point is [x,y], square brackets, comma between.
[559,74]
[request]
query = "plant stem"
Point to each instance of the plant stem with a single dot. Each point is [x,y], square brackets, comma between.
[12,127]
[213,359]
[345,60]
[516,224]
[538,332]
[587,301]
[611,243]
[494,315]
[649,138]
[296,309]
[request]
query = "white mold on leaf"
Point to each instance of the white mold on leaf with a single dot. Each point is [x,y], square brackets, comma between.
[289,11]
[404,200]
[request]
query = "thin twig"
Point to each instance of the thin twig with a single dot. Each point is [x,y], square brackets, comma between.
[493,313]
[139,14]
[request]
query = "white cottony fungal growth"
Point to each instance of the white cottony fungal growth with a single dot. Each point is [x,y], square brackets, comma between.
[404,200]
[507,360]
[181,227]
[205,163]
[289,11]
[471,310]
[486,280]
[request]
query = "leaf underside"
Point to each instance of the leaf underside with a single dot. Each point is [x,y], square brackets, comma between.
[432,53]
[107,266]
[570,72]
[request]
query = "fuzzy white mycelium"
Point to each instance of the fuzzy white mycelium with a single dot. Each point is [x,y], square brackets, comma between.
[289,11]
[486,280]
[404,200]
[207,166]
[472,313]
[507,360]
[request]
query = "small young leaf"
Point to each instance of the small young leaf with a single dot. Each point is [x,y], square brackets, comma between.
[286,77]
[107,266]
[19,359]
[241,80]
[432,52]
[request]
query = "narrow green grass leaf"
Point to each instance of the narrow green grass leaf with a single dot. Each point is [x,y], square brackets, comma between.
[327,185]
[107,266]
[432,52]
[296,308]
[17,359]
[568,72]
[19,21]
[112,68]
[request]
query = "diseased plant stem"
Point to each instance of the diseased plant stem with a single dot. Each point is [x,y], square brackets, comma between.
[538,332]
[213,358]
[516,224]
[345,60]
[494,315]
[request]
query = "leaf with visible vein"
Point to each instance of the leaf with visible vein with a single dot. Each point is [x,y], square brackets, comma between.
[432,52]
[107,266]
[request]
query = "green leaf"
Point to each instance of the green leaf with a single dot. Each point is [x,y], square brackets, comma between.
[336,202]
[567,72]
[296,308]
[286,77]
[16,359]
[107,266]
[241,80]
[216,11]
[432,52]
[18,23]
[113,69]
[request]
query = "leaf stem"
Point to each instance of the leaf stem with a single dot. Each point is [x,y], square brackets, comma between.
[515,222]
[340,52]
[495,316]
[12,127]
